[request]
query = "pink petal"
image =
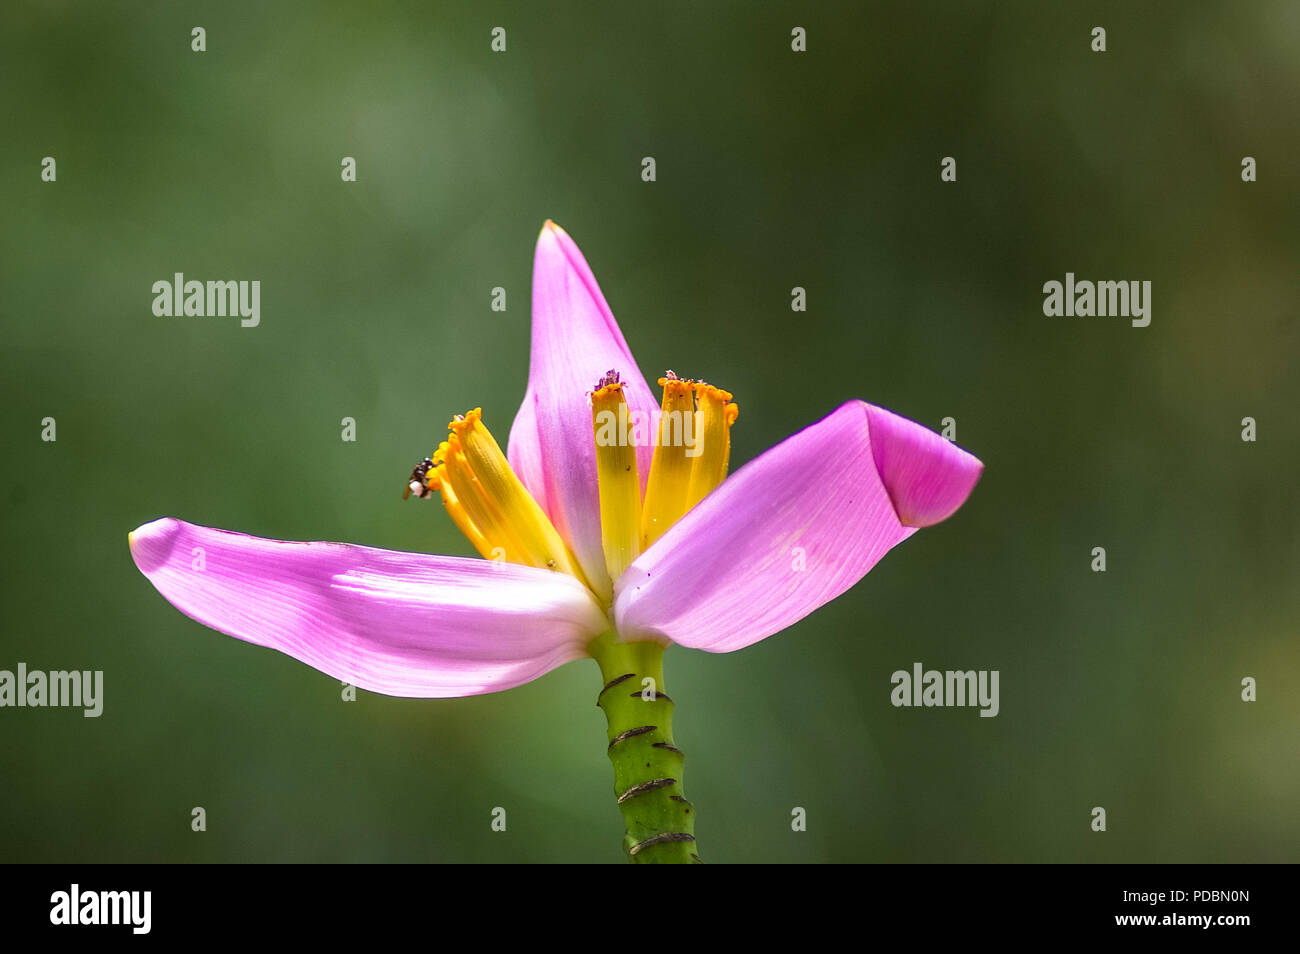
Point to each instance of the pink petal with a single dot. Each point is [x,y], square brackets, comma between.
[404,624]
[575,341]
[791,530]
[927,477]
[524,451]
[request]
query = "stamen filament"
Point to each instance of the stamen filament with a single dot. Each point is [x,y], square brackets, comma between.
[713,422]
[670,469]
[692,453]
[435,480]
[498,540]
[513,508]
[488,502]
[617,476]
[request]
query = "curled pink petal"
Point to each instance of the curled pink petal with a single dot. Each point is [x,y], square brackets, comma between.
[927,477]
[575,341]
[404,624]
[789,531]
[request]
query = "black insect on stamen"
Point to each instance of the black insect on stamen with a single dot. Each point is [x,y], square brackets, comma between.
[415,483]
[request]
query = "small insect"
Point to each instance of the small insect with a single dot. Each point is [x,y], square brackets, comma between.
[415,483]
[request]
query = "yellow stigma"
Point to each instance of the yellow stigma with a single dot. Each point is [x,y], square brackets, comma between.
[616,475]
[692,452]
[489,503]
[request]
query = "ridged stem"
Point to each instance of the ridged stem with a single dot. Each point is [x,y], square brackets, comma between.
[660,821]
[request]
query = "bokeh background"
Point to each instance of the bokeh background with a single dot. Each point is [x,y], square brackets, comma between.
[1119,689]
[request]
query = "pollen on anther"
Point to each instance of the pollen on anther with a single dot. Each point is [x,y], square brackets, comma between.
[462,421]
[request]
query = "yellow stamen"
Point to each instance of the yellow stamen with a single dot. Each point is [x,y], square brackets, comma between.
[499,516]
[489,503]
[617,477]
[732,414]
[670,468]
[435,479]
[713,422]
[513,515]
[469,505]
[692,453]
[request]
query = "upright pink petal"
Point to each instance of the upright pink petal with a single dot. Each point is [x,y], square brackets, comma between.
[404,624]
[791,530]
[575,341]
[524,451]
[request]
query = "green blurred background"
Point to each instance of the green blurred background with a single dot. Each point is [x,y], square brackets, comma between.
[775,169]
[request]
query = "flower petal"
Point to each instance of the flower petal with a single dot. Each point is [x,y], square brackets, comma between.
[789,531]
[575,341]
[927,477]
[404,624]
[524,452]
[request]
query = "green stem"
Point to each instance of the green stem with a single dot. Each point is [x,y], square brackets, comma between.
[647,765]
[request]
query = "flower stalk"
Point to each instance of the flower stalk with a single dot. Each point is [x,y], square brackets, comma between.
[660,822]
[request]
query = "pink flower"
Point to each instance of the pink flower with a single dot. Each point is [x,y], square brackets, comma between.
[612,530]
[584,547]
